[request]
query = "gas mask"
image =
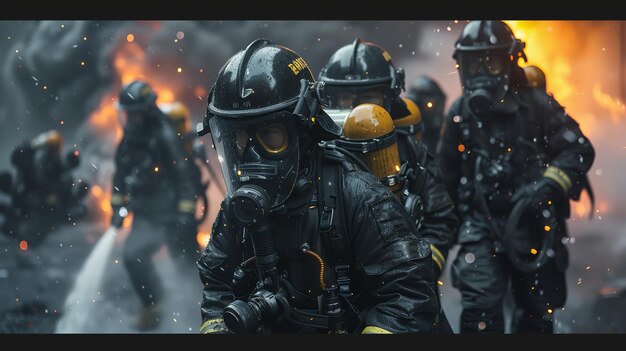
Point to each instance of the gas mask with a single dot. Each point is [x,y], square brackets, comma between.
[263,151]
[485,76]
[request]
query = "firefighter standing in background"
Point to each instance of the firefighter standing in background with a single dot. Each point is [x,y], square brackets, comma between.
[431,100]
[157,182]
[304,241]
[180,118]
[512,158]
[43,194]
[363,72]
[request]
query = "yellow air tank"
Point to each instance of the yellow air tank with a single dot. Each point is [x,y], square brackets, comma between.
[535,77]
[412,122]
[371,136]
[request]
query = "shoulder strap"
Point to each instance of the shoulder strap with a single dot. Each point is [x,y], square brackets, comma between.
[331,226]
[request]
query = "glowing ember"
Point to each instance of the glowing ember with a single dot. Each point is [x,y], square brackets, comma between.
[461,148]
[130,38]
[547,228]
[23,245]
[533,251]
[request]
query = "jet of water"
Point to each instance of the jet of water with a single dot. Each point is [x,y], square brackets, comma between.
[81,300]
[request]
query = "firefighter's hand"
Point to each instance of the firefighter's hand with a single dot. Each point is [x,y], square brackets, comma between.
[119,213]
[542,194]
[214,326]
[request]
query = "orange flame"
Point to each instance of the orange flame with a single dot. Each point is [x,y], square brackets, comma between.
[613,105]
[573,76]
[203,239]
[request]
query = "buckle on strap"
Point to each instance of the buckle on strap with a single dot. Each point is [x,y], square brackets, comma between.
[326,220]
[343,279]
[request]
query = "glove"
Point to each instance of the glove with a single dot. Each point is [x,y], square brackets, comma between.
[545,197]
[119,203]
[119,213]
[543,194]
[214,326]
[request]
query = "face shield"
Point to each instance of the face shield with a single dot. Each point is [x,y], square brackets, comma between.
[347,97]
[261,151]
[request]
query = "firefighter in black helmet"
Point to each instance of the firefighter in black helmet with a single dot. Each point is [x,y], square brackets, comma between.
[158,183]
[431,101]
[304,241]
[362,72]
[43,194]
[512,158]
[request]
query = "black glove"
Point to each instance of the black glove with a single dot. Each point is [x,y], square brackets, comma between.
[214,326]
[119,213]
[543,194]
[544,199]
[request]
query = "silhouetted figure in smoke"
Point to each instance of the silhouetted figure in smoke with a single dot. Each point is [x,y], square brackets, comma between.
[431,101]
[43,194]
[512,158]
[156,181]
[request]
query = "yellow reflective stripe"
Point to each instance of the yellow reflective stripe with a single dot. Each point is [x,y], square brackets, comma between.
[438,262]
[117,199]
[437,255]
[206,324]
[559,177]
[186,206]
[375,330]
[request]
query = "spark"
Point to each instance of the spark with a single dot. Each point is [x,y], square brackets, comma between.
[533,251]
[547,228]
[429,104]
[180,69]
[130,37]
[23,245]
[461,147]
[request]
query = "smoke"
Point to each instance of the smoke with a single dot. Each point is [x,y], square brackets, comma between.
[56,73]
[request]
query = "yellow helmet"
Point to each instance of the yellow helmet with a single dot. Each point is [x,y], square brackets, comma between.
[369,132]
[179,115]
[411,123]
[535,77]
[52,139]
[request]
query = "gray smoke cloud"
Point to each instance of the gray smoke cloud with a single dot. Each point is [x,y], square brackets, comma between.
[59,70]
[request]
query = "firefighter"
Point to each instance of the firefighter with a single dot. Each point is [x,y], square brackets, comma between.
[158,183]
[431,100]
[43,194]
[512,159]
[304,240]
[362,72]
